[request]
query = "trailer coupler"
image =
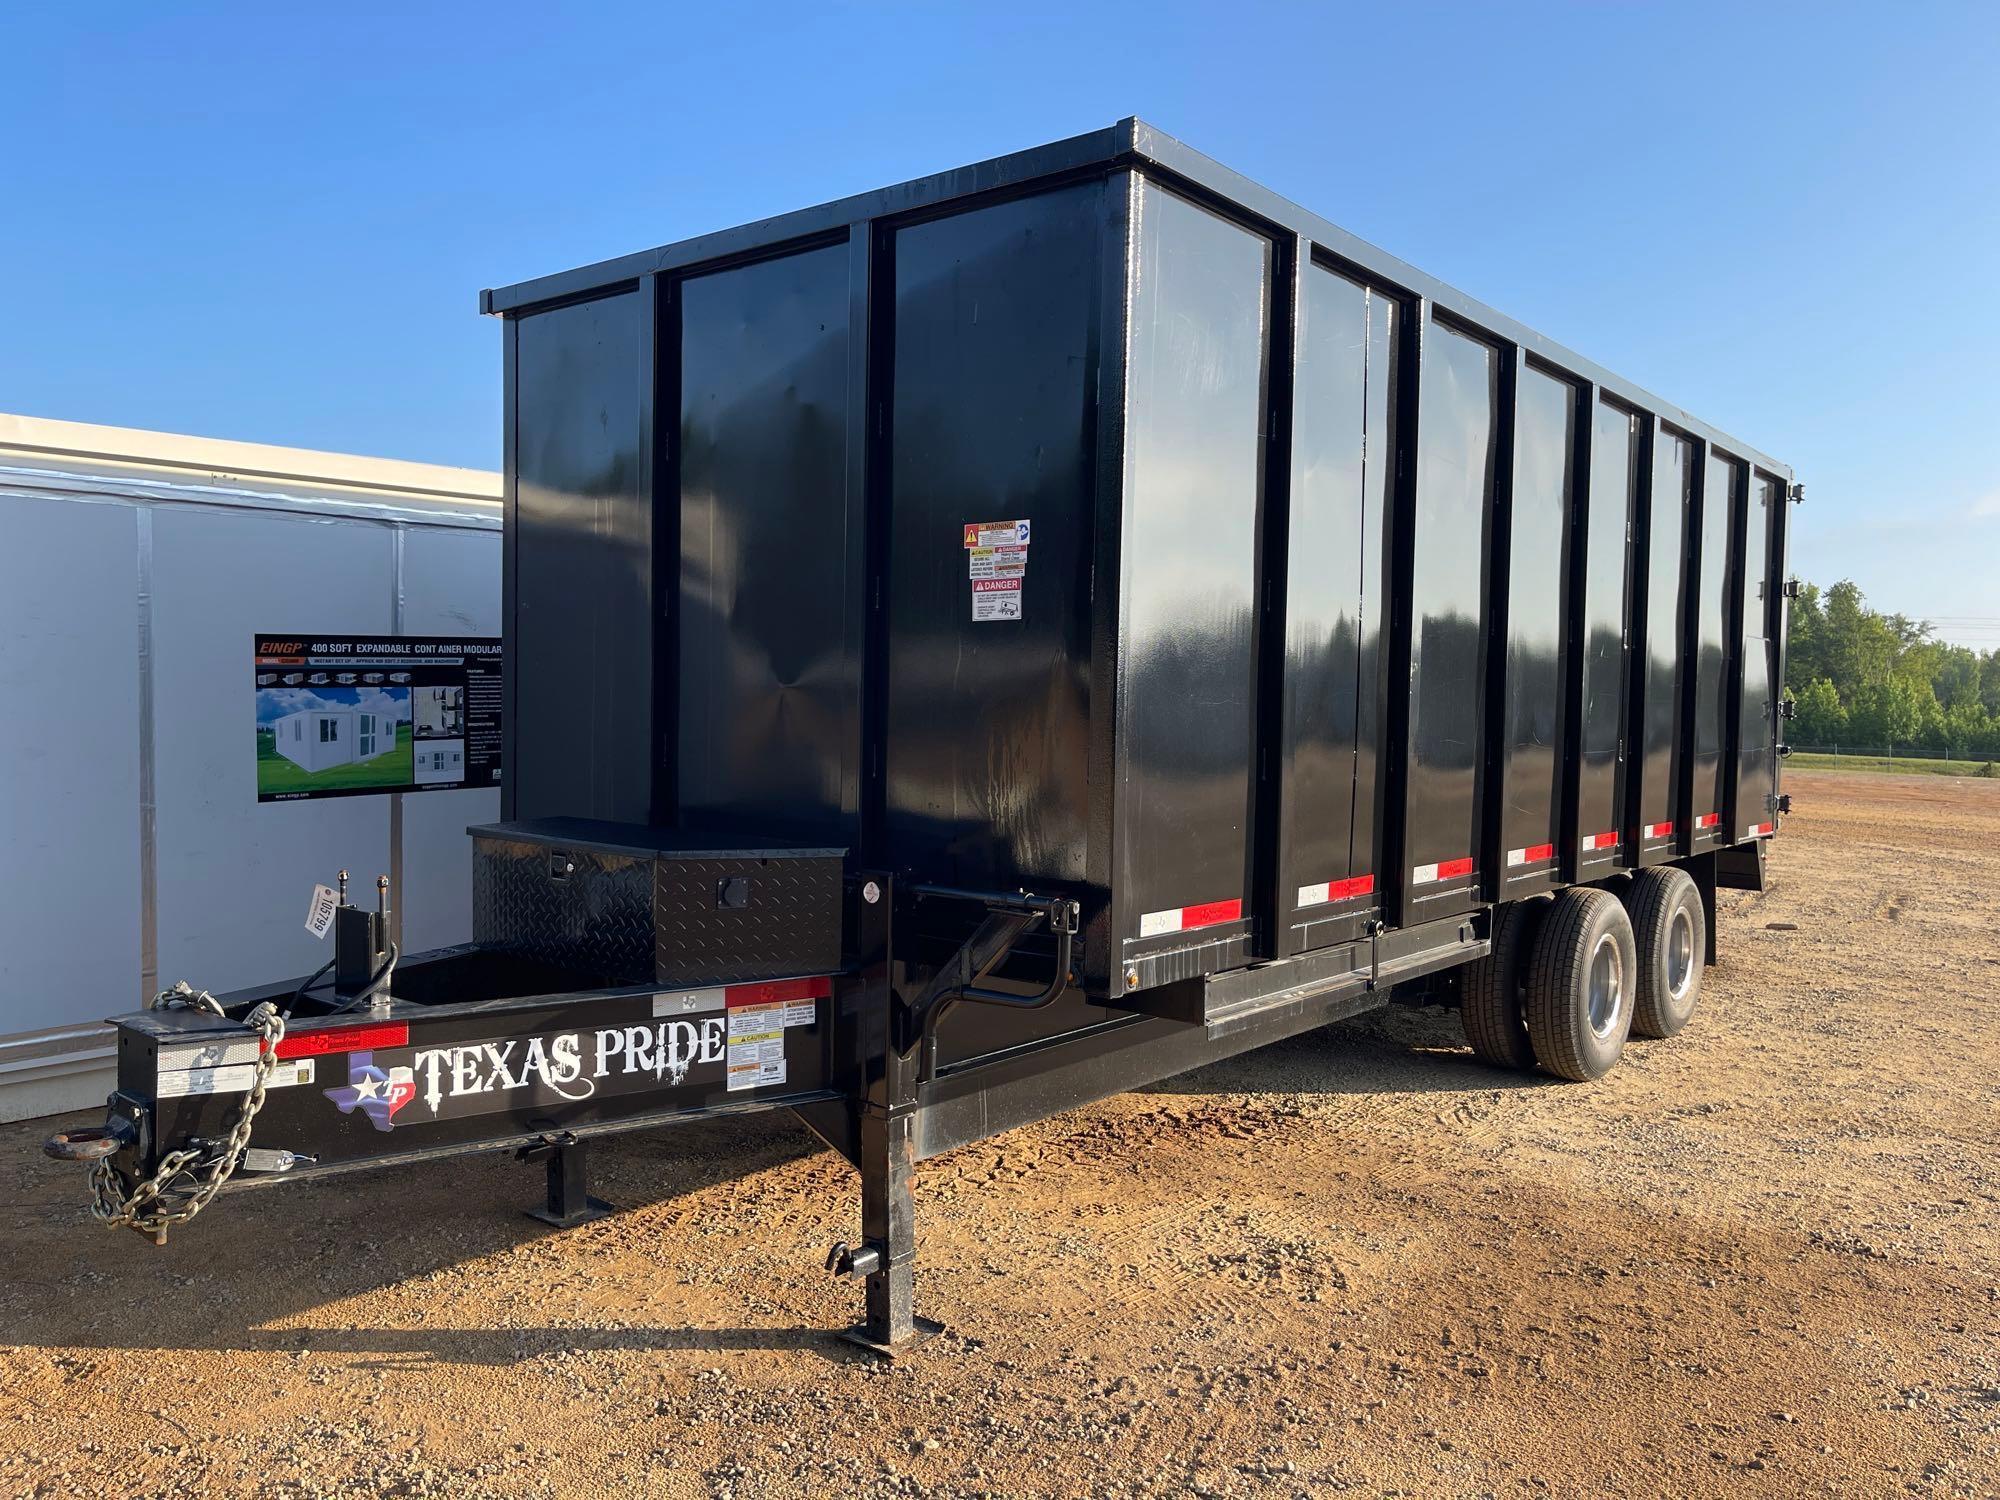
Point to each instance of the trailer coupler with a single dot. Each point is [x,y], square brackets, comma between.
[93,1143]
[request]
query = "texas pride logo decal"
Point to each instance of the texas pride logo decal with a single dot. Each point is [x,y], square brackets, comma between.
[372,1091]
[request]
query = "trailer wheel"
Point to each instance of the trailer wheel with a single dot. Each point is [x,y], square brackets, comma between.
[1580,983]
[1491,988]
[1672,934]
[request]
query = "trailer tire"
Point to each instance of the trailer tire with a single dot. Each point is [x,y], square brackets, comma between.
[1671,931]
[1580,980]
[1491,988]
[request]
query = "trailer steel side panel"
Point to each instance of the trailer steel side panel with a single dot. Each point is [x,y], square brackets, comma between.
[578,637]
[1522,853]
[1714,655]
[1330,876]
[1659,755]
[1761,603]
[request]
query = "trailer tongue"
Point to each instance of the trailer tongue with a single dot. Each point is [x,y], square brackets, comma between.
[984,645]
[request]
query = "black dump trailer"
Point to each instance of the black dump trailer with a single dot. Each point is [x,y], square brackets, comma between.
[986,644]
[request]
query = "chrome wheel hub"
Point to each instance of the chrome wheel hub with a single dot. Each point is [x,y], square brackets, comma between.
[1680,954]
[1607,987]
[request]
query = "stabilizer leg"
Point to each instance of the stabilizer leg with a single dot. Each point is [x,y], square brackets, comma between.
[569,1202]
[887,1258]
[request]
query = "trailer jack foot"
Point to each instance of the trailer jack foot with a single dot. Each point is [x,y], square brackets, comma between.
[892,1327]
[569,1201]
[863,1336]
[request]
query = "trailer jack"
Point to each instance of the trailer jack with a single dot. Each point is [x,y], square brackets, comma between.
[569,1202]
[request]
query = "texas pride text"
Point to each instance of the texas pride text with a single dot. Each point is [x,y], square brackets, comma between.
[571,1063]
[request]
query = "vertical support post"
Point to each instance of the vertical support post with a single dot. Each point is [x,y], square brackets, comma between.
[1495,763]
[568,1202]
[149,847]
[888,1223]
[398,622]
[1269,882]
[1575,646]
[1694,568]
[887,1256]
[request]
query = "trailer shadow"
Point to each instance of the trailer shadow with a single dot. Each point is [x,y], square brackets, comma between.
[1400,1049]
[266,1261]
[263,1264]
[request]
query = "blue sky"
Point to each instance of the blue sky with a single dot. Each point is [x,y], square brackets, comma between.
[273,703]
[271,222]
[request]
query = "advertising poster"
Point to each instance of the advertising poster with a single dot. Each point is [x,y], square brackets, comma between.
[374,714]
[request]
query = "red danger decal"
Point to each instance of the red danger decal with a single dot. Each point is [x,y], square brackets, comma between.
[344,1039]
[814,987]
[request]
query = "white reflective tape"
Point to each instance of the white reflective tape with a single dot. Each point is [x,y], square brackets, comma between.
[235,1079]
[1424,875]
[1516,857]
[690,1002]
[1153,923]
[1316,895]
[220,1053]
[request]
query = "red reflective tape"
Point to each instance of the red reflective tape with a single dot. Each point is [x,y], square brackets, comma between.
[1539,851]
[770,991]
[1210,913]
[344,1039]
[1759,830]
[1708,820]
[1451,869]
[1601,841]
[1658,830]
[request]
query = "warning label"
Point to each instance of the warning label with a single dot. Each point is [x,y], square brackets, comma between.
[996,534]
[997,562]
[996,599]
[756,1045]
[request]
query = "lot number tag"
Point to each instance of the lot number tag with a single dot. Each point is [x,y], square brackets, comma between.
[319,916]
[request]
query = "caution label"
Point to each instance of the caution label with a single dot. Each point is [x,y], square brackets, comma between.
[756,1045]
[236,1078]
[996,599]
[997,562]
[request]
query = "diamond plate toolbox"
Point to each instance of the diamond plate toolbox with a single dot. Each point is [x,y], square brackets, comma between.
[758,916]
[636,905]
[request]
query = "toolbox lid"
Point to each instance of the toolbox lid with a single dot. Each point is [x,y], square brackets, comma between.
[639,840]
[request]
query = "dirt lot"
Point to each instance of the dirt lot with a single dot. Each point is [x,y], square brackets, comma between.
[1762,1257]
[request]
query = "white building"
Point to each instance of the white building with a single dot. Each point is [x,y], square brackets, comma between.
[315,738]
[135,570]
[440,760]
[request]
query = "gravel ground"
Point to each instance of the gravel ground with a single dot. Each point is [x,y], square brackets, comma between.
[1761,1257]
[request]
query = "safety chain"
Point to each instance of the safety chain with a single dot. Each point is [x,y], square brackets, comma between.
[161,1200]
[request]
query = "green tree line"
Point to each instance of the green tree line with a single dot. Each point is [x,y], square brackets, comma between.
[1871,680]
